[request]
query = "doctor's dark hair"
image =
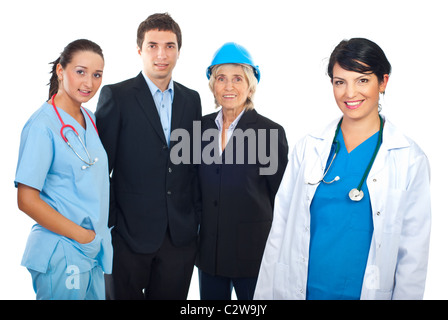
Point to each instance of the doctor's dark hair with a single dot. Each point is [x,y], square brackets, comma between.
[360,55]
[160,22]
[66,57]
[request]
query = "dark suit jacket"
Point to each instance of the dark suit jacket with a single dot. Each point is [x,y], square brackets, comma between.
[149,195]
[237,203]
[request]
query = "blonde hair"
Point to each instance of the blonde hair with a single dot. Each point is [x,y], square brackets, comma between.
[250,78]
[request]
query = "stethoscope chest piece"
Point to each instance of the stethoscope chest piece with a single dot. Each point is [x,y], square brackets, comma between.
[356,195]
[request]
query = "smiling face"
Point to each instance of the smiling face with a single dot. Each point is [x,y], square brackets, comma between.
[231,88]
[81,78]
[357,94]
[159,53]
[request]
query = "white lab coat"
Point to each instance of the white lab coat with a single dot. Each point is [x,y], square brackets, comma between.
[399,190]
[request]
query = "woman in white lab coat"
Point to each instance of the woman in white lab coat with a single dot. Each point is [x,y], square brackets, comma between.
[352,214]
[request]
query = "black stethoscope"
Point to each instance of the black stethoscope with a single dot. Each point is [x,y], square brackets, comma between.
[355,194]
[88,163]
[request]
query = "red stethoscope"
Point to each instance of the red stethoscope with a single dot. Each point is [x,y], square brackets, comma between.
[88,163]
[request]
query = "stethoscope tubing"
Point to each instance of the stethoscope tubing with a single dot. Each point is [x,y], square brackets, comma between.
[354,194]
[89,163]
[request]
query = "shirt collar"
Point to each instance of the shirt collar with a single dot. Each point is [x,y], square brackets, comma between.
[154,89]
[219,121]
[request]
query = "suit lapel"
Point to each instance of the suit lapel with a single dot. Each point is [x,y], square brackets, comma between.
[177,110]
[148,106]
[247,119]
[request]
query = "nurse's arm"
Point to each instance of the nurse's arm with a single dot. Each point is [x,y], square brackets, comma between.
[30,202]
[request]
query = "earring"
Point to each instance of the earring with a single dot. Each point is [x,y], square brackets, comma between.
[380,107]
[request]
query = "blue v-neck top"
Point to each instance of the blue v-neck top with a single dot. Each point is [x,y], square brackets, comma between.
[341,229]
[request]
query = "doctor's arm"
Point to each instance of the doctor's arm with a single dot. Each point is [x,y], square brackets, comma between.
[413,251]
[29,202]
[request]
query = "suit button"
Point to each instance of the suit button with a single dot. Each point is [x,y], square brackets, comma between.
[168,192]
[165,147]
[170,170]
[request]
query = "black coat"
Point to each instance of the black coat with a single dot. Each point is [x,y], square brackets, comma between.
[237,202]
[149,194]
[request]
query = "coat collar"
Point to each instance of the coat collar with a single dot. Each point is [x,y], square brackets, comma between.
[246,121]
[248,117]
[393,138]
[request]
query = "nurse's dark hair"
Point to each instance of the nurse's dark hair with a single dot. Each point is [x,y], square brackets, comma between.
[66,57]
[360,55]
[160,22]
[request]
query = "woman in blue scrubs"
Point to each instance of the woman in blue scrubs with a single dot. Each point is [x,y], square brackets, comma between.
[63,183]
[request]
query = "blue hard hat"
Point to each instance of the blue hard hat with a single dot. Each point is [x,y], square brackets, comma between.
[232,52]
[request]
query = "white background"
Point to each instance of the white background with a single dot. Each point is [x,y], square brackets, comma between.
[290,41]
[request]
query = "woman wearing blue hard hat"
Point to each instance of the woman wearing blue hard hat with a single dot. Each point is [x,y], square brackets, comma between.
[239,179]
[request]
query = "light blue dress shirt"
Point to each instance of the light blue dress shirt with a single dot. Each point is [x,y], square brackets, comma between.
[164,102]
[341,229]
[47,163]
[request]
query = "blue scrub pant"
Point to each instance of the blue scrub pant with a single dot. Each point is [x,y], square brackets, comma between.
[220,288]
[62,282]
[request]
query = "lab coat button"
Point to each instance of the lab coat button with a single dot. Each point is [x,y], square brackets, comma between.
[378,213]
[374,180]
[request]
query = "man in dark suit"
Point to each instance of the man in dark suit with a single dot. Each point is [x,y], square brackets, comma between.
[153,209]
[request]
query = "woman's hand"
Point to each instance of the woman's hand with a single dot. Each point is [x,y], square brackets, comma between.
[30,202]
[87,236]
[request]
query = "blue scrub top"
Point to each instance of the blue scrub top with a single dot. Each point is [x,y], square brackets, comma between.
[341,229]
[47,164]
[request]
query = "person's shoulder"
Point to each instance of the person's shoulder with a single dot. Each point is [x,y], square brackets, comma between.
[122,85]
[41,116]
[40,120]
[210,116]
[184,89]
[265,121]
[399,140]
